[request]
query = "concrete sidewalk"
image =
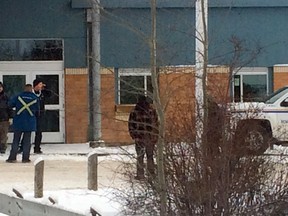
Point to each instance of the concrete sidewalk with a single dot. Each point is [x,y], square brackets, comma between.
[66,167]
[80,149]
[63,170]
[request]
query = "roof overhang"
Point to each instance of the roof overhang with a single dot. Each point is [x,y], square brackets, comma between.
[85,4]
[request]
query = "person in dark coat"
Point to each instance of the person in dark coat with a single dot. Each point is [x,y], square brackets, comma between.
[143,128]
[5,114]
[42,93]
[24,122]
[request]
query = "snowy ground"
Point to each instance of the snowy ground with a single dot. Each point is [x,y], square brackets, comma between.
[65,176]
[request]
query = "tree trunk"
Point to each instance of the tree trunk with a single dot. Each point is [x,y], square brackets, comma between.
[156,98]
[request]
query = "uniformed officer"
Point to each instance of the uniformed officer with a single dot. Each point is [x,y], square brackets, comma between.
[24,122]
[42,93]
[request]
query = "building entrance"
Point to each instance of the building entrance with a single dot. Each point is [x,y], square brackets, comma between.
[15,75]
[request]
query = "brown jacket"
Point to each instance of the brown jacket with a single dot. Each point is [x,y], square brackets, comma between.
[143,123]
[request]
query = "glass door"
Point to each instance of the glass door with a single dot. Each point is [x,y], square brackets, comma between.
[54,111]
[14,79]
[14,84]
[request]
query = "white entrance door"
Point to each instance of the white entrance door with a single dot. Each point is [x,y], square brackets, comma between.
[15,75]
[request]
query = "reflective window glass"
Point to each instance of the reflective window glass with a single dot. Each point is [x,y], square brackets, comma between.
[31,50]
[51,119]
[254,87]
[52,85]
[14,84]
[8,50]
[250,87]
[130,88]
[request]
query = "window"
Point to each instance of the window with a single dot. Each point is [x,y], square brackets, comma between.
[250,84]
[31,50]
[132,82]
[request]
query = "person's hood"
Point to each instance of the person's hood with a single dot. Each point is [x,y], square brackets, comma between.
[142,105]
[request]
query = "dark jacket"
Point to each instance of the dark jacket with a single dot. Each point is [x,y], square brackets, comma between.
[42,95]
[25,119]
[143,122]
[6,112]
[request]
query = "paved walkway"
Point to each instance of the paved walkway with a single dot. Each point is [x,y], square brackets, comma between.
[65,167]
[80,149]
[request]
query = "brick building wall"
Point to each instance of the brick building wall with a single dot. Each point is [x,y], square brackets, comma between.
[114,121]
[177,94]
[280,76]
[218,83]
[76,105]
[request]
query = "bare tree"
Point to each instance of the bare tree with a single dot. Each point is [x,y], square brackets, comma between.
[156,98]
[215,178]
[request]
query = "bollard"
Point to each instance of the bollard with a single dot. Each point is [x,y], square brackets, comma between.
[38,178]
[92,171]
[18,194]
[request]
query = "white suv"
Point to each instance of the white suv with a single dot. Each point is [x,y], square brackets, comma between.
[258,124]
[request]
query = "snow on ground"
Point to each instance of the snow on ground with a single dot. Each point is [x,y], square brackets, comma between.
[65,176]
[80,200]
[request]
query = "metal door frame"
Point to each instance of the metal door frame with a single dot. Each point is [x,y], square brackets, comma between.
[31,69]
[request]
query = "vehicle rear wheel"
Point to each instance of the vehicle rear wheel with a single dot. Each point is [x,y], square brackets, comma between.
[251,139]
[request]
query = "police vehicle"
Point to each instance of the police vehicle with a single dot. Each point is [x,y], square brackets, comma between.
[259,125]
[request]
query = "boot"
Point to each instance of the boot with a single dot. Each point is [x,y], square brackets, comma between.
[150,167]
[2,149]
[139,177]
[140,172]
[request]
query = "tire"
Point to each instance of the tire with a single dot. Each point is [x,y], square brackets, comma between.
[251,139]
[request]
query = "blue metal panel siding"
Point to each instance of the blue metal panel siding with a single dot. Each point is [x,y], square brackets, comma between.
[257,29]
[146,3]
[47,19]
[191,3]
[175,36]
[262,30]
[81,4]
[125,37]
[248,3]
[123,46]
